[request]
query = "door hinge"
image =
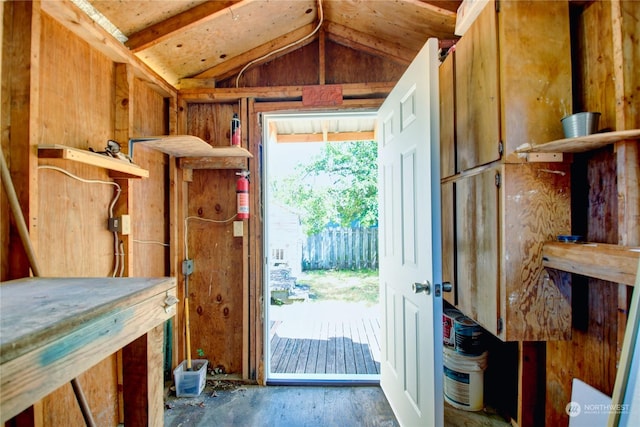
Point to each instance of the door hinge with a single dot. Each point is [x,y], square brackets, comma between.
[500,325]
[498,179]
[500,148]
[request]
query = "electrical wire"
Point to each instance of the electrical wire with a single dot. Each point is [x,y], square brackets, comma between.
[121,258]
[320,21]
[117,266]
[116,258]
[186,231]
[151,242]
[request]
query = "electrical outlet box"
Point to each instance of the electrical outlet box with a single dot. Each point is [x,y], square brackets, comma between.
[187,267]
[238,228]
[120,224]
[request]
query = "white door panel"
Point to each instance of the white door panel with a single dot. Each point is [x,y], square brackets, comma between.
[411,370]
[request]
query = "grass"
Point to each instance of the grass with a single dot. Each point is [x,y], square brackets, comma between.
[342,285]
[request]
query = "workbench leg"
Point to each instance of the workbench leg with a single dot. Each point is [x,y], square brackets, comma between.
[30,417]
[143,380]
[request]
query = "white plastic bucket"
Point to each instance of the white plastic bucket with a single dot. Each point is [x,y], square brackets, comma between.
[464,380]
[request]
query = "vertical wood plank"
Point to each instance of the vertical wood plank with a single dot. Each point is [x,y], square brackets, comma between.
[476,78]
[446,72]
[477,201]
[448,239]
[21,26]
[244,113]
[178,209]
[143,380]
[322,60]
[626,54]
[256,255]
[531,363]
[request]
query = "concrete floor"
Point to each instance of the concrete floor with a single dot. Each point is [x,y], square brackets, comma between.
[229,404]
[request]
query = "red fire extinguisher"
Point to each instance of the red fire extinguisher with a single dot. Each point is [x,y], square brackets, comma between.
[235,130]
[242,194]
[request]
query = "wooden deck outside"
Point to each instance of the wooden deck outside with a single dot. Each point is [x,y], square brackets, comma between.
[325,347]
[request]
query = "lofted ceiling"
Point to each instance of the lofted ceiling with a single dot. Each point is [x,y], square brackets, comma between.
[186,39]
[196,43]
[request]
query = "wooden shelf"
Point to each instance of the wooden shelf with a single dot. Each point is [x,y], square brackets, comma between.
[117,168]
[226,162]
[582,143]
[188,146]
[614,263]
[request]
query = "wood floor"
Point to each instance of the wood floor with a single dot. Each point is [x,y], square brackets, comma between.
[299,406]
[349,347]
[230,404]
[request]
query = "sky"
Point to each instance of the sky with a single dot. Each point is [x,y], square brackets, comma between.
[283,158]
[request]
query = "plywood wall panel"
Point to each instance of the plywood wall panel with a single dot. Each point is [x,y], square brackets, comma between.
[76,89]
[150,233]
[346,65]
[301,67]
[536,305]
[75,105]
[75,241]
[149,205]
[296,68]
[216,286]
[76,85]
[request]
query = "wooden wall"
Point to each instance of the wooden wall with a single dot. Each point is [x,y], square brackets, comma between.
[312,64]
[605,191]
[216,286]
[57,88]
[61,90]
[216,289]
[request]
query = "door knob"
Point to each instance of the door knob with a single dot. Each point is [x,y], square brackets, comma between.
[440,288]
[422,287]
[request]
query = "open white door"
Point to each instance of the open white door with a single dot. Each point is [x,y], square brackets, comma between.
[410,259]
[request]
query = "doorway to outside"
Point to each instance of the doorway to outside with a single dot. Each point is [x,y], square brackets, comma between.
[321,244]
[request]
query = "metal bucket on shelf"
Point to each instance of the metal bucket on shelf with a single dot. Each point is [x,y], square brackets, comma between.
[580,124]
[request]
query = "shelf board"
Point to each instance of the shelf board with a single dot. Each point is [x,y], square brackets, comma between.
[188,146]
[227,162]
[581,143]
[117,168]
[614,263]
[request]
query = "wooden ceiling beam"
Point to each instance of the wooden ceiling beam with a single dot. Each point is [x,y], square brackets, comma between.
[233,65]
[450,5]
[325,136]
[351,90]
[368,44]
[161,31]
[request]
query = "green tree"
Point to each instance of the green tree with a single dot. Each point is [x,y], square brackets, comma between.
[339,186]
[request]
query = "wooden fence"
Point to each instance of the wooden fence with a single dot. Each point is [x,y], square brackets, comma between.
[341,249]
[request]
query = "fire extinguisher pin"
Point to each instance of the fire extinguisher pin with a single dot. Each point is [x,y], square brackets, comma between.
[245,174]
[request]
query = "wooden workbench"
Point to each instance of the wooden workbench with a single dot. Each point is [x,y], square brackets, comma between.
[53,329]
